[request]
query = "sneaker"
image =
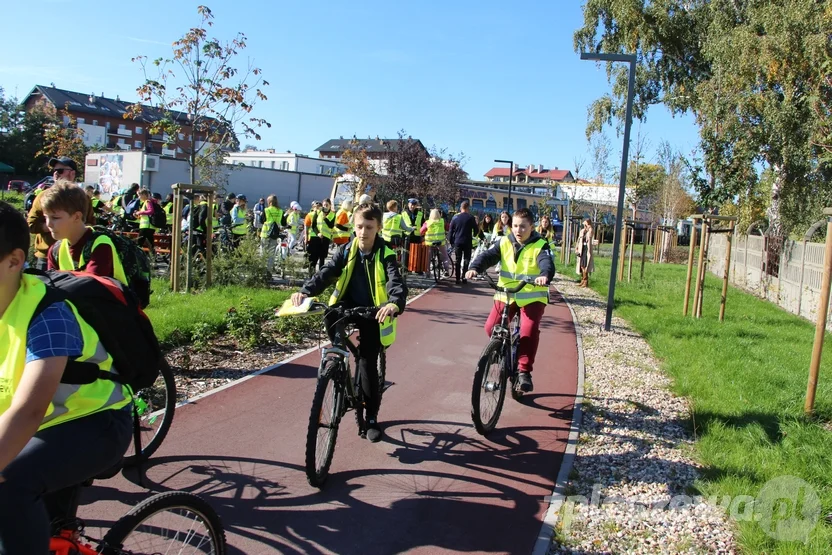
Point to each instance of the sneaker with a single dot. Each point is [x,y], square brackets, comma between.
[373,431]
[525,382]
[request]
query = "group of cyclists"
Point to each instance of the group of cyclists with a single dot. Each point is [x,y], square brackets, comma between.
[42,460]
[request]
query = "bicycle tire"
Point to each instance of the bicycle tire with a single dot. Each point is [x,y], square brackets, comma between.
[382,374]
[486,360]
[119,535]
[166,374]
[436,262]
[317,474]
[516,394]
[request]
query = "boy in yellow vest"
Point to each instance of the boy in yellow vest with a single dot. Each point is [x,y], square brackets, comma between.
[64,206]
[523,255]
[53,436]
[365,273]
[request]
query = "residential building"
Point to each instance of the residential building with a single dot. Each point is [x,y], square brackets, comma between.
[377,149]
[103,123]
[286,161]
[530,174]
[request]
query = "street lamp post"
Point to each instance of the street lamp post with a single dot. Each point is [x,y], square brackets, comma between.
[510,174]
[631,59]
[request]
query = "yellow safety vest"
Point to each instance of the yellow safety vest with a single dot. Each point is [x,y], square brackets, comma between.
[378,287]
[525,268]
[340,233]
[71,401]
[168,208]
[324,230]
[66,263]
[293,221]
[408,225]
[273,217]
[391,227]
[144,221]
[242,227]
[435,232]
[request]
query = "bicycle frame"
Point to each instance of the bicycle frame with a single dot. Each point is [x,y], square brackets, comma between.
[69,543]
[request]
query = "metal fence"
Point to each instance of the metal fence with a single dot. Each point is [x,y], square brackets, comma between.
[798,271]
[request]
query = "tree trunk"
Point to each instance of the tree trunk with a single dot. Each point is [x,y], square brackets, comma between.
[775,224]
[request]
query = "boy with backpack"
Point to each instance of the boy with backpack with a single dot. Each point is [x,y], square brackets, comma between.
[93,250]
[47,426]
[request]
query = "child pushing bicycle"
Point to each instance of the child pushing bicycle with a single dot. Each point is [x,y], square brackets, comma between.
[365,273]
[523,255]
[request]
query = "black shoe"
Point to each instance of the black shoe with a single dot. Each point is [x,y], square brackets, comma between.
[457,281]
[464,280]
[524,380]
[373,431]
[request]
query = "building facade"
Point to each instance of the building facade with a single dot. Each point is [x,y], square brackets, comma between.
[530,174]
[103,124]
[286,161]
[377,150]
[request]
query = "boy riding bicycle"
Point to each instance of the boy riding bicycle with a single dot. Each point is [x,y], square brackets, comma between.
[53,436]
[365,273]
[523,255]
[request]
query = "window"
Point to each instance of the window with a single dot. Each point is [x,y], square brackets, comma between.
[521,203]
[66,120]
[508,205]
[181,136]
[179,150]
[284,165]
[477,203]
[260,164]
[121,141]
[138,144]
[81,121]
[95,122]
[139,130]
[272,164]
[491,204]
[253,164]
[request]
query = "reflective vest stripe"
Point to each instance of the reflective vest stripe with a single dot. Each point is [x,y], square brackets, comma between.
[435,232]
[525,267]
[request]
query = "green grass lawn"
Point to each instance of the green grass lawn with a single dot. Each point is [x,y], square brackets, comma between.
[176,316]
[746,379]
[14,198]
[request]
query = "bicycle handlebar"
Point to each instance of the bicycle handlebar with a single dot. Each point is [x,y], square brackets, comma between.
[510,290]
[368,312]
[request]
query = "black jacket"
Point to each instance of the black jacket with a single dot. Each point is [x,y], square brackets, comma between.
[359,285]
[493,255]
[462,230]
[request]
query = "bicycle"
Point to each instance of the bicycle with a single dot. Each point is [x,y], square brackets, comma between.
[337,391]
[155,408]
[436,262]
[497,366]
[145,530]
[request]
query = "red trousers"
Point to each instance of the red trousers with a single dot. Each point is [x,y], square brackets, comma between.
[530,317]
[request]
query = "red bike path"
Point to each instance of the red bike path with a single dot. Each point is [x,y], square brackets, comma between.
[432,485]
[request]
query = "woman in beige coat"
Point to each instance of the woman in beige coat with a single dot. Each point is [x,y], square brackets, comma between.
[583,247]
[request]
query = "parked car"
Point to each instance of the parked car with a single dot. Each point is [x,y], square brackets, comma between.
[19,185]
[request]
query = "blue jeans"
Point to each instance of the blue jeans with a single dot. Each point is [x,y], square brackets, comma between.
[43,481]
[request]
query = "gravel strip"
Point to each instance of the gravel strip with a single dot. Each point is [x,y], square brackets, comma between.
[629,487]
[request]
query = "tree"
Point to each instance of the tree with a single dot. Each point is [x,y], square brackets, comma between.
[408,168]
[748,71]
[200,87]
[22,136]
[445,174]
[358,165]
[64,140]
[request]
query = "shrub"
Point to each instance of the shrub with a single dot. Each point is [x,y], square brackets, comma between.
[244,266]
[245,324]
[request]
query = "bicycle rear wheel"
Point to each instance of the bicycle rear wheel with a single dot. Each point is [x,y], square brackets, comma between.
[173,522]
[489,390]
[156,406]
[323,424]
[436,263]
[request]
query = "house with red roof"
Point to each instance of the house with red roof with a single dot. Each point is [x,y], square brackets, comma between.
[530,174]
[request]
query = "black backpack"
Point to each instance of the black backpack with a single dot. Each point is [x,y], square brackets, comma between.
[158,218]
[114,313]
[134,260]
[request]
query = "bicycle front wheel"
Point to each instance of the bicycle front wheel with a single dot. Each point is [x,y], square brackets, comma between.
[323,425]
[155,406]
[173,522]
[489,390]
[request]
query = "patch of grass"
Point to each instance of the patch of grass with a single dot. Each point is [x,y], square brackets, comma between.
[14,198]
[746,378]
[180,318]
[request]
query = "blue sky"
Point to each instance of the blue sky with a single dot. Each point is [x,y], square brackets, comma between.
[491,79]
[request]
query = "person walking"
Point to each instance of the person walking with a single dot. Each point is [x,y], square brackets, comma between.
[270,231]
[583,248]
[461,235]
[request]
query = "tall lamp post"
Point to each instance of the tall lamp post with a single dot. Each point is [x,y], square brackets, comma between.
[510,174]
[631,59]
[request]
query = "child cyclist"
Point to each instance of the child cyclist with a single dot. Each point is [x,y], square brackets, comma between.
[53,436]
[365,273]
[523,255]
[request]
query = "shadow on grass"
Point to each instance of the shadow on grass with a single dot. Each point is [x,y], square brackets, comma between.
[769,422]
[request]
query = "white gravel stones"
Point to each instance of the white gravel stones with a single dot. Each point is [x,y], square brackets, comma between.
[629,489]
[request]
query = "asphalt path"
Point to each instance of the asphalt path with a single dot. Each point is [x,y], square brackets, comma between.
[432,485]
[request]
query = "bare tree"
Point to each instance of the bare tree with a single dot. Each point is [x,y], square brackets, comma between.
[200,88]
[673,201]
[358,165]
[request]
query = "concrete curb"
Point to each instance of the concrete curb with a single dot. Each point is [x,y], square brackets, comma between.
[273,366]
[550,518]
